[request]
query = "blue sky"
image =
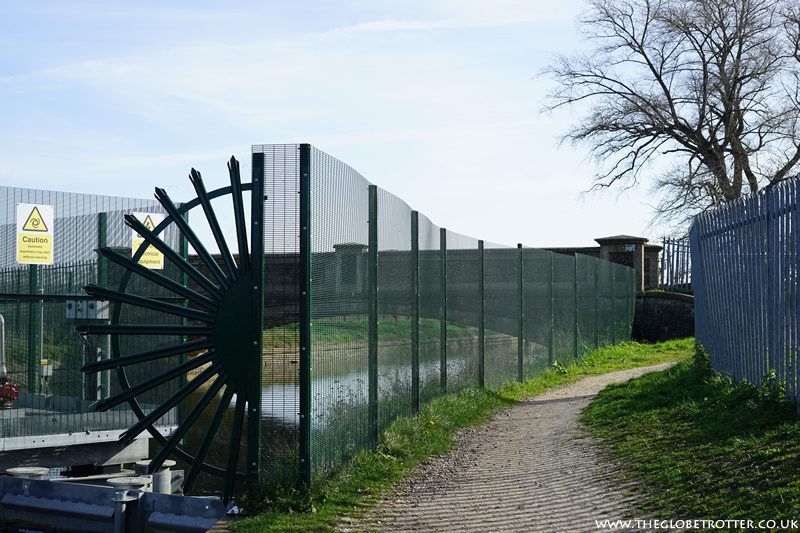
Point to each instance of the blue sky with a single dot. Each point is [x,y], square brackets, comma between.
[435,101]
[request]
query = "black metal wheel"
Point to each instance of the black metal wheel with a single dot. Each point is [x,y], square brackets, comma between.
[215,329]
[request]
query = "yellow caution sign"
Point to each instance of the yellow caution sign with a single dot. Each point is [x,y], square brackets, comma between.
[34,234]
[151,258]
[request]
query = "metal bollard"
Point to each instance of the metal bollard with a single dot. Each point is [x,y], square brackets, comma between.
[162,478]
[121,500]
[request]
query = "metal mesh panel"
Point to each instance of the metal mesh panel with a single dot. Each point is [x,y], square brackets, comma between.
[281,338]
[537,311]
[339,233]
[463,311]
[430,300]
[604,307]
[624,301]
[586,300]
[502,314]
[398,305]
[42,305]
[395,307]
[563,307]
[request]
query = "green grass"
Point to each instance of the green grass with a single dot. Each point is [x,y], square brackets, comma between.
[702,447]
[409,441]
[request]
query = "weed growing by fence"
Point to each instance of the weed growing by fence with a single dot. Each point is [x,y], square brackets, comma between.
[701,446]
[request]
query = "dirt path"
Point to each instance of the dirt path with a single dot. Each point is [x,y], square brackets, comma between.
[532,468]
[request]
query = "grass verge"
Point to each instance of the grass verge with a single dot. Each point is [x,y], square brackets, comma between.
[409,441]
[702,447]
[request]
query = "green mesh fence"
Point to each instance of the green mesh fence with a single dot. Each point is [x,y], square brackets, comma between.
[368,311]
[42,304]
[401,311]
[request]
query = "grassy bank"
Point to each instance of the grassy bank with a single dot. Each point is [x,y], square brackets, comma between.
[702,447]
[409,441]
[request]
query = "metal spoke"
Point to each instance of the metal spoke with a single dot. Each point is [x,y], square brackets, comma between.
[149,355]
[148,303]
[233,449]
[238,215]
[159,279]
[173,256]
[138,329]
[211,217]
[205,446]
[132,392]
[191,236]
[171,402]
[183,428]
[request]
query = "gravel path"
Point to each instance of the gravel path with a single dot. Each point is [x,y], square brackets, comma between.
[533,468]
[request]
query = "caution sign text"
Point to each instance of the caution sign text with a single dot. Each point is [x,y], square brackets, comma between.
[34,234]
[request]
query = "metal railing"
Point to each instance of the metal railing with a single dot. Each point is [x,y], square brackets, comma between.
[676,265]
[746,270]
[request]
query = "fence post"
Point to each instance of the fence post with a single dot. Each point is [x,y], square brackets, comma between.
[306,343]
[415,312]
[521,314]
[443,309]
[575,328]
[772,316]
[34,335]
[597,304]
[102,280]
[482,319]
[372,283]
[697,281]
[551,312]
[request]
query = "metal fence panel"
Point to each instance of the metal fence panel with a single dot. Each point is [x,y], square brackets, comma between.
[368,310]
[42,305]
[676,265]
[745,280]
[463,312]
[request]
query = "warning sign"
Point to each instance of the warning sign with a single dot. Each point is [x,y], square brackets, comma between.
[151,258]
[34,234]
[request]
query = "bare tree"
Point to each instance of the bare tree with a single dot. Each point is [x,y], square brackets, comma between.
[708,88]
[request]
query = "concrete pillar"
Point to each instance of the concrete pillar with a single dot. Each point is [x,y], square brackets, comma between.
[638,265]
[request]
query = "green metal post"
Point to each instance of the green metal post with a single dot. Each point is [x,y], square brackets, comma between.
[597,303]
[372,291]
[482,319]
[575,329]
[443,309]
[34,339]
[306,343]
[415,312]
[102,280]
[102,242]
[256,303]
[520,314]
[551,312]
